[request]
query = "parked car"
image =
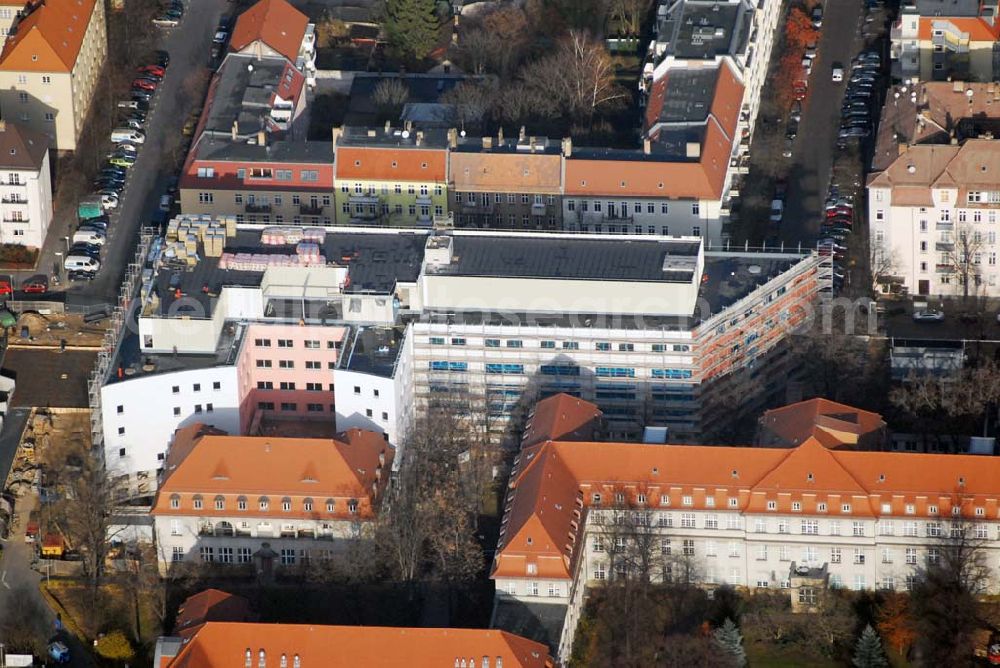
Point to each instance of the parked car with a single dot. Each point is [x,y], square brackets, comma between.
[166,201]
[837,72]
[155,70]
[144,84]
[6,285]
[792,131]
[91,237]
[787,151]
[81,263]
[811,50]
[122,160]
[35,285]
[141,95]
[817,16]
[796,112]
[166,20]
[109,201]
[82,274]
[777,211]
[120,135]
[162,58]
[58,652]
[928,315]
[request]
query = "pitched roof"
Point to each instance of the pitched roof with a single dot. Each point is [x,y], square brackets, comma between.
[554,484]
[833,424]
[275,23]
[488,171]
[21,147]
[350,465]
[975,165]
[384,163]
[210,605]
[977,29]
[49,38]
[222,645]
[668,171]
[561,417]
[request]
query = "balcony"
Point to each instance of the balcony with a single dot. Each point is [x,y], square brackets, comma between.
[14,200]
[473,207]
[15,220]
[359,198]
[944,268]
[944,225]
[310,210]
[538,209]
[617,219]
[256,207]
[946,246]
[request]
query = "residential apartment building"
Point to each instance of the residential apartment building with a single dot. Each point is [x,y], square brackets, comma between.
[224,644]
[50,66]
[512,184]
[25,186]
[656,331]
[832,424]
[935,112]
[798,519]
[933,213]
[390,177]
[225,499]
[275,29]
[10,12]
[938,41]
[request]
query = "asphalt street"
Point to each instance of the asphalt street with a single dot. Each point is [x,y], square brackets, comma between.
[189,46]
[815,147]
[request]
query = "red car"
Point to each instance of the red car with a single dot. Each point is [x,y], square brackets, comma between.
[155,70]
[36,284]
[6,286]
[839,211]
[144,84]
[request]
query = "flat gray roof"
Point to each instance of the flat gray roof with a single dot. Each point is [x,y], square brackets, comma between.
[573,258]
[696,29]
[688,96]
[291,151]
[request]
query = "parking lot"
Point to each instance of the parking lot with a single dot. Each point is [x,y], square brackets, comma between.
[189,46]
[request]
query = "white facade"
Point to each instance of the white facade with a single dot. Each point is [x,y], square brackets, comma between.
[754,551]
[924,245]
[140,416]
[25,205]
[650,216]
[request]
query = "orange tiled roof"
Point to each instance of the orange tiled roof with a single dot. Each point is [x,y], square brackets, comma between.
[353,465]
[223,645]
[49,38]
[486,171]
[391,163]
[833,424]
[273,22]
[684,179]
[977,29]
[561,417]
[210,605]
[554,484]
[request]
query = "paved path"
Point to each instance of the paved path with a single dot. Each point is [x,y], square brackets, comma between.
[813,152]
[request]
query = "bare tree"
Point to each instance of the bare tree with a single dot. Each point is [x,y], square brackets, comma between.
[970,393]
[474,102]
[578,79]
[945,599]
[389,96]
[497,42]
[883,265]
[88,518]
[962,252]
[629,15]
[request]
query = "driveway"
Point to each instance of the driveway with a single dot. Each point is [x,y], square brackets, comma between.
[813,152]
[189,45]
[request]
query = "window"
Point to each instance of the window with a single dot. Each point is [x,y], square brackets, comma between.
[858,528]
[911,556]
[206,198]
[772,505]
[834,555]
[286,364]
[243,555]
[177,554]
[845,508]
[688,547]
[263,503]
[688,520]
[216,385]
[859,556]
[810,527]
[287,556]
[207,554]
[807,595]
[515,343]
[263,364]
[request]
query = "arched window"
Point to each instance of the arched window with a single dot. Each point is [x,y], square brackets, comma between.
[197,500]
[220,502]
[263,503]
[286,504]
[307,505]
[329,505]
[175,500]
[241,503]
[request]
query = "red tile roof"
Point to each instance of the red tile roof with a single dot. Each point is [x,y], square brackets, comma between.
[646,176]
[354,465]
[977,29]
[394,163]
[553,485]
[49,39]
[224,645]
[562,417]
[210,605]
[833,424]
[275,23]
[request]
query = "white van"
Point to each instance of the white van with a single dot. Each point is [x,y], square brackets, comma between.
[119,135]
[88,237]
[81,263]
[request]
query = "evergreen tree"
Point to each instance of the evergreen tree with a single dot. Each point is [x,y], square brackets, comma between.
[868,650]
[731,641]
[411,26]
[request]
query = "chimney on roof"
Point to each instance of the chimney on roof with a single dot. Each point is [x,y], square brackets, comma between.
[521,134]
[3,126]
[388,127]
[487,142]
[647,145]
[531,144]
[692,149]
[335,135]
[567,146]
[500,136]
[261,137]
[234,129]
[903,148]
[420,138]
[452,137]
[408,125]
